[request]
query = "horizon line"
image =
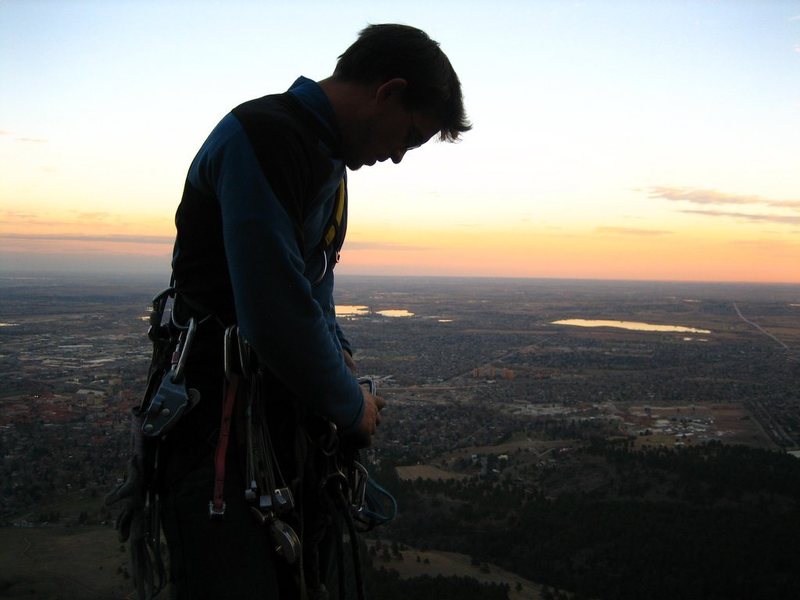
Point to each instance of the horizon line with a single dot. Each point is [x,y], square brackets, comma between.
[117,275]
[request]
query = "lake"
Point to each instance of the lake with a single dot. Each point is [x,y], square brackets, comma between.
[350,310]
[633,325]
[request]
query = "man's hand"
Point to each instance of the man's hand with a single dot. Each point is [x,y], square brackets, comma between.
[371,418]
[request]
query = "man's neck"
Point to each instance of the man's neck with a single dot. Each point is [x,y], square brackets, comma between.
[349,100]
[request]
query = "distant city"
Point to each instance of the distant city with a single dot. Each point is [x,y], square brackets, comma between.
[473,370]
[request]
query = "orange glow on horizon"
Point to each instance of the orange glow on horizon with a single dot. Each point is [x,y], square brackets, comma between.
[691,256]
[521,251]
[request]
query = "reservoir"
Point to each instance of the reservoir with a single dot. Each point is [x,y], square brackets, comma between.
[633,325]
[396,312]
[350,310]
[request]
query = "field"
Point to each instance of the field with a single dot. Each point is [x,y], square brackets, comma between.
[427,472]
[451,564]
[682,425]
[59,563]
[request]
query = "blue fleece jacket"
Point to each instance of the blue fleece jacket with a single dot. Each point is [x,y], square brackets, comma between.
[274,211]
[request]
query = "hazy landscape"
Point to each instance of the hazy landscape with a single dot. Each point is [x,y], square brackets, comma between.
[544,438]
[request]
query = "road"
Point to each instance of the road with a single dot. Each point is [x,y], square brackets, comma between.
[761,329]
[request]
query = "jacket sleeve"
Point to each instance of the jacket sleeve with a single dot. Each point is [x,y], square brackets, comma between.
[275,308]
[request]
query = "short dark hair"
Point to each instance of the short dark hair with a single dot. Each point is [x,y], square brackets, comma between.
[383,52]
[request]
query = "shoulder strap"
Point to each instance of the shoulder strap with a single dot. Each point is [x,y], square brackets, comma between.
[337,223]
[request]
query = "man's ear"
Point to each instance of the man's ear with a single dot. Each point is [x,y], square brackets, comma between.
[391,90]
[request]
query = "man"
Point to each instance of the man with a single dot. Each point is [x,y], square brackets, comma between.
[259,228]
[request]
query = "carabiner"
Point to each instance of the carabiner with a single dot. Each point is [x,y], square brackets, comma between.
[369,381]
[324,268]
[187,338]
[245,356]
[227,359]
[159,304]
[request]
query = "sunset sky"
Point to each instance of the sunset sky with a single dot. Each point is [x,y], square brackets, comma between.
[612,140]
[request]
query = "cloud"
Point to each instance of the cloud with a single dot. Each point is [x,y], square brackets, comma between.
[384,246]
[17,215]
[751,218]
[122,239]
[76,220]
[632,231]
[791,204]
[23,138]
[92,216]
[767,244]
[699,196]
[764,210]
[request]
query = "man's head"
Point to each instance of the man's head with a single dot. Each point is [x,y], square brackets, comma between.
[409,92]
